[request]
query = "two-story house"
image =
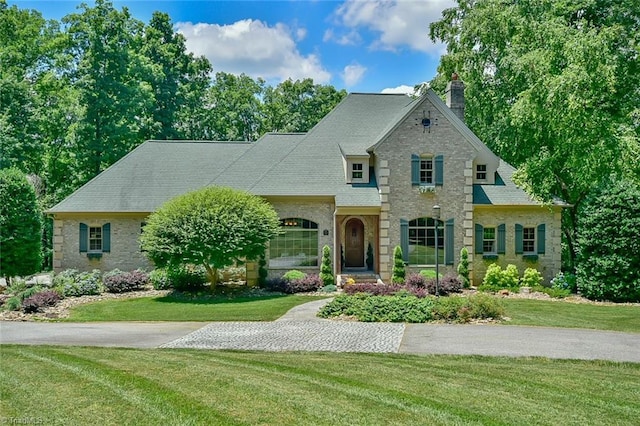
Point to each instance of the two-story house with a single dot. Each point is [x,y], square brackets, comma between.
[363,180]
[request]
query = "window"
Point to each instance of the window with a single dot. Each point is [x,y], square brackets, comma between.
[489,240]
[356,171]
[529,240]
[296,246]
[422,241]
[481,172]
[426,171]
[95,238]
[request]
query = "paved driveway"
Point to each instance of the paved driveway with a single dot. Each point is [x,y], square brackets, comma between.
[300,330]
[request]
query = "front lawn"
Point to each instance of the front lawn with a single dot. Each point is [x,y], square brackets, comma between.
[572,315]
[182,307]
[80,385]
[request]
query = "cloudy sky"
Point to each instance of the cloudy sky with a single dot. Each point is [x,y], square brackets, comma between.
[358,45]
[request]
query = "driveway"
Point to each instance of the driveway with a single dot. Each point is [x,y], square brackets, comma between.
[301,330]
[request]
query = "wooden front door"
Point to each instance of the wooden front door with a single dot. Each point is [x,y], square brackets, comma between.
[354,244]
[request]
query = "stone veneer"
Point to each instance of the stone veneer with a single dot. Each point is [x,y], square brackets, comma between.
[125,250]
[548,264]
[401,200]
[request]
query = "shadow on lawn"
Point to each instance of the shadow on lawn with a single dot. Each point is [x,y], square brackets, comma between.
[220,296]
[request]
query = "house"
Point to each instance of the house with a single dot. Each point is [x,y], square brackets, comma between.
[364,179]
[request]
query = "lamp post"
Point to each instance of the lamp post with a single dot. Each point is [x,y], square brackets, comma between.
[436,217]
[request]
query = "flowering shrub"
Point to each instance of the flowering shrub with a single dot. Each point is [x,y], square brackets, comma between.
[416,280]
[564,281]
[117,281]
[531,278]
[40,300]
[73,283]
[310,282]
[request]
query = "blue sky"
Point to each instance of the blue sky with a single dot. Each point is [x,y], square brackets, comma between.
[357,45]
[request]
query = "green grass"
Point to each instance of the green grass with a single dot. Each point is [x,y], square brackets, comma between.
[79,385]
[182,308]
[572,315]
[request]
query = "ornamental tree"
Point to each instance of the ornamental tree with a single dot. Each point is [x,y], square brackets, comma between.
[213,226]
[20,226]
[326,271]
[398,272]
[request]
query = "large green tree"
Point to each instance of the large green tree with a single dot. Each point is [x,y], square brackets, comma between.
[20,225]
[214,227]
[552,87]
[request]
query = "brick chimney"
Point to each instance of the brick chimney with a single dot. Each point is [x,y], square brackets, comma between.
[455,96]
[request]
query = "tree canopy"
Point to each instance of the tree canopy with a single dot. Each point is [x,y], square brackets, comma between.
[552,87]
[213,226]
[20,226]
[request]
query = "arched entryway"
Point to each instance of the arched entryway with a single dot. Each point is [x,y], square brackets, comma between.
[354,244]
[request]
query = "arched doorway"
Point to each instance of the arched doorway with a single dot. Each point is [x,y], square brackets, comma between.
[354,244]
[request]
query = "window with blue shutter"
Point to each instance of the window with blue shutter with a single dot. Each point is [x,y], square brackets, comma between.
[541,238]
[106,238]
[502,239]
[439,165]
[84,238]
[448,242]
[519,239]
[404,239]
[415,169]
[479,238]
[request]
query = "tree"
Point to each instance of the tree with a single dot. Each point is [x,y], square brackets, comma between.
[463,267]
[326,271]
[548,89]
[20,226]
[214,227]
[608,262]
[398,272]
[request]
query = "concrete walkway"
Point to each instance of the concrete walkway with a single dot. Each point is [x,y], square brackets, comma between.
[301,330]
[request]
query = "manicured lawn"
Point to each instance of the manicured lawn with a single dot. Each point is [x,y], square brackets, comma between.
[79,385]
[572,315]
[181,308]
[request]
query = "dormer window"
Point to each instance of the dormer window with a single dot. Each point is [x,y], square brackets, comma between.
[481,172]
[357,171]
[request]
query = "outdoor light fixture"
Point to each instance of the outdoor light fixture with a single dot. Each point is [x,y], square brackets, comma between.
[436,217]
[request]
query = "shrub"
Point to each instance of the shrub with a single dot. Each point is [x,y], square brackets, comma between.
[452,309]
[68,276]
[531,278]
[40,300]
[493,277]
[556,293]
[564,281]
[398,272]
[293,274]
[608,247]
[373,289]
[277,284]
[329,288]
[446,285]
[74,284]
[370,257]
[13,303]
[463,268]
[310,282]
[326,272]
[187,277]
[416,280]
[484,306]
[117,281]
[159,279]
[510,277]
[263,272]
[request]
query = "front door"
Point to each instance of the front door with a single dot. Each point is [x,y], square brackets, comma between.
[354,244]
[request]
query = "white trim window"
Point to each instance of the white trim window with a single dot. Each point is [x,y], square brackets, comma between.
[357,172]
[481,172]
[489,240]
[529,240]
[426,171]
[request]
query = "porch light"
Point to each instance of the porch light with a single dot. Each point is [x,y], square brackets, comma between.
[436,217]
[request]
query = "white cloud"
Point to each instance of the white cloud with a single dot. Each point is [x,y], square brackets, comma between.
[352,74]
[409,90]
[398,23]
[254,48]
[348,38]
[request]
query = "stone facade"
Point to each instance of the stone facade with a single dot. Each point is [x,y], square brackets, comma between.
[548,264]
[125,251]
[402,200]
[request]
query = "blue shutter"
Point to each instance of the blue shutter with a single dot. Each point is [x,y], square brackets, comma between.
[84,237]
[404,239]
[502,239]
[439,164]
[448,242]
[415,169]
[479,238]
[106,238]
[519,237]
[541,238]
